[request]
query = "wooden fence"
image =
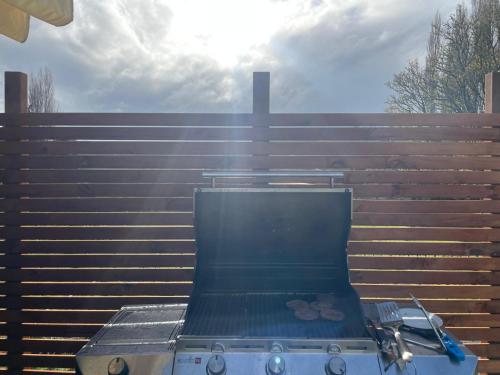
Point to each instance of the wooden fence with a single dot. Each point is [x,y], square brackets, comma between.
[97,211]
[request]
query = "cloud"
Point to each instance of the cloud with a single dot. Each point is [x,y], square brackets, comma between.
[184,56]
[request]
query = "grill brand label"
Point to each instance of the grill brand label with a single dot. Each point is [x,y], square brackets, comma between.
[189,360]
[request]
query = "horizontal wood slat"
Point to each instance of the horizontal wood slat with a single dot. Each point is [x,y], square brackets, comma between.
[187,260]
[119,246]
[184,232]
[458,306]
[85,274]
[432,191]
[188,176]
[116,302]
[278,119]
[188,246]
[247,161]
[245,133]
[242,148]
[185,204]
[97,213]
[185,218]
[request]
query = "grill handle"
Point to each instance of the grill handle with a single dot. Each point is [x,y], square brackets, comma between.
[332,175]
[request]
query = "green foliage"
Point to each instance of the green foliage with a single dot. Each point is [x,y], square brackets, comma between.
[460,52]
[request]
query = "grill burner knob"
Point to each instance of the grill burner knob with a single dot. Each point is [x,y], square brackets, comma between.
[336,366]
[276,365]
[216,365]
[117,366]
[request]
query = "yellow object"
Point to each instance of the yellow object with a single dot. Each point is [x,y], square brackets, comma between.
[15,15]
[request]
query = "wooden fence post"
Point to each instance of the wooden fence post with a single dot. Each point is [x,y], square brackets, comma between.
[16,101]
[261,93]
[16,92]
[261,107]
[492,105]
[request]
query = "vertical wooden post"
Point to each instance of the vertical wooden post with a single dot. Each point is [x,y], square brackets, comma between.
[16,92]
[16,101]
[261,93]
[492,105]
[492,93]
[261,106]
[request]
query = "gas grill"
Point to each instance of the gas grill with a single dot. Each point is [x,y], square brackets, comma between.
[258,249]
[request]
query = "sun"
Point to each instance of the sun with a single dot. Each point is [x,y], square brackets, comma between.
[225,29]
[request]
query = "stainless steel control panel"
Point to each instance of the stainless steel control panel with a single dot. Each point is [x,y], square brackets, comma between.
[275,364]
[286,357]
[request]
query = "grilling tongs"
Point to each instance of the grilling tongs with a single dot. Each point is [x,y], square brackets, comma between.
[390,317]
[447,343]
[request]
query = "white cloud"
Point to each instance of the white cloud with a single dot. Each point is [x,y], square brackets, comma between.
[184,55]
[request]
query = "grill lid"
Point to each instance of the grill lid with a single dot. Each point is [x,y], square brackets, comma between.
[272,240]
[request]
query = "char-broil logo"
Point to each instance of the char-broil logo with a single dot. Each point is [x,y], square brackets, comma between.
[189,360]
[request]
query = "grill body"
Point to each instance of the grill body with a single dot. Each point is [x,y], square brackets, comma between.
[258,249]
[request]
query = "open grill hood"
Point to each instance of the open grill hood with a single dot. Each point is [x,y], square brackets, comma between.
[272,240]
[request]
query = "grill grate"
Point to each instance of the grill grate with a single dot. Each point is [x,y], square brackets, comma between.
[263,315]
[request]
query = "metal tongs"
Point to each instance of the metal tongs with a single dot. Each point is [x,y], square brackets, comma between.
[449,345]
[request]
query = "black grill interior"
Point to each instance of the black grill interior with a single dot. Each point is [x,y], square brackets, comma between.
[262,315]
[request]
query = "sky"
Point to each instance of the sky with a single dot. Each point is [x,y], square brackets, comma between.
[198,56]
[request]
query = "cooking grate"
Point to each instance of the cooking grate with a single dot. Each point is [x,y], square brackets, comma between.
[266,315]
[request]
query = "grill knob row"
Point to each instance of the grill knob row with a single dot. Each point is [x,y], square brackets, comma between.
[216,365]
[275,366]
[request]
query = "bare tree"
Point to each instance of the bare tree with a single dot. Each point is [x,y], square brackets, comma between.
[41,92]
[416,88]
[460,52]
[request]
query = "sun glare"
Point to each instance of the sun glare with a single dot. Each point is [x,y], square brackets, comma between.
[225,29]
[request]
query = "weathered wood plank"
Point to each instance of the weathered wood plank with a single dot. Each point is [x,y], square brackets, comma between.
[428,220]
[47,190]
[427,206]
[260,148]
[486,320]
[426,234]
[144,275]
[108,261]
[420,291]
[187,232]
[185,218]
[85,274]
[489,366]
[258,133]
[125,287]
[277,119]
[188,246]
[195,176]
[248,161]
[107,247]
[98,205]
[422,263]
[423,248]
[185,205]
[82,233]
[116,302]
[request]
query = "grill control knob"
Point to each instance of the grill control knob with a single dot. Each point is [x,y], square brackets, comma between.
[276,365]
[216,365]
[336,366]
[117,366]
